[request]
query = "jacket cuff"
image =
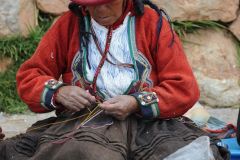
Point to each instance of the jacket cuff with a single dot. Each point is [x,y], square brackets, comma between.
[148,103]
[50,88]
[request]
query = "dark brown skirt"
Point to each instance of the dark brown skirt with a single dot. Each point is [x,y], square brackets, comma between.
[103,139]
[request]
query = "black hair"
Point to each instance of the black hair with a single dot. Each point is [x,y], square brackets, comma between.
[139,11]
[83,35]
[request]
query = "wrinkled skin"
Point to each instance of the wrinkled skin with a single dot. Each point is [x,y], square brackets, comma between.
[120,106]
[74,98]
[107,14]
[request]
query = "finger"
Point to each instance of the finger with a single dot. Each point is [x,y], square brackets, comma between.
[85,94]
[91,97]
[73,104]
[78,102]
[110,107]
[73,108]
[111,101]
[69,103]
[116,115]
[80,106]
[82,101]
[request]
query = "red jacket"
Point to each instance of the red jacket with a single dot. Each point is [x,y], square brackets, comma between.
[172,77]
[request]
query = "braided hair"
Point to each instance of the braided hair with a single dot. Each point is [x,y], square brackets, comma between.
[84,36]
[139,10]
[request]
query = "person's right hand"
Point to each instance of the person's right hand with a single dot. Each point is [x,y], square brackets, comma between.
[74,98]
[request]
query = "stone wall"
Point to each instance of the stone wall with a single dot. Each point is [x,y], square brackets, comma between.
[17,17]
[212,57]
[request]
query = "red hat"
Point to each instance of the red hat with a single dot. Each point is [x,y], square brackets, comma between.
[90,2]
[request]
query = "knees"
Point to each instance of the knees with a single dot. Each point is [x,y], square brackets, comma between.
[75,150]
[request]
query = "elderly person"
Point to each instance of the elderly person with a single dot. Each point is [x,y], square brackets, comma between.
[125,80]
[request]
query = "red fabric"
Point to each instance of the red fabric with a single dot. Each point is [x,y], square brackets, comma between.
[173,79]
[90,2]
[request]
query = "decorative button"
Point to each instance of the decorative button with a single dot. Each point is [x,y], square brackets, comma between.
[147,98]
[53,84]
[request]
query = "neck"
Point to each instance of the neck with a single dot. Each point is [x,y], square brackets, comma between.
[127,7]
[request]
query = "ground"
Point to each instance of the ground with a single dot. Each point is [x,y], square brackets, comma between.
[15,124]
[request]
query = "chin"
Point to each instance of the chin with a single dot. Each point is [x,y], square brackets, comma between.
[106,22]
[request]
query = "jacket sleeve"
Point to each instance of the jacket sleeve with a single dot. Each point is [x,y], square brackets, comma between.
[176,90]
[45,65]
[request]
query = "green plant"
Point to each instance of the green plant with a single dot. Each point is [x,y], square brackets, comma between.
[19,49]
[184,27]
[238,53]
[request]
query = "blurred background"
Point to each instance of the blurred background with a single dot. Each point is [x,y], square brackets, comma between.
[209,30]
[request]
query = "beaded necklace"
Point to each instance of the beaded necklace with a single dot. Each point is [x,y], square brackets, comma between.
[93,86]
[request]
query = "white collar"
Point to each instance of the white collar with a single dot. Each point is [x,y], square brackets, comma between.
[97,26]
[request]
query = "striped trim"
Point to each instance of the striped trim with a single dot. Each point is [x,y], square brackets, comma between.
[147,112]
[155,110]
[50,88]
[150,111]
[148,103]
[46,98]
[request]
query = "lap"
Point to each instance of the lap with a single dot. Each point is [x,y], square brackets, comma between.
[75,150]
[157,139]
[130,139]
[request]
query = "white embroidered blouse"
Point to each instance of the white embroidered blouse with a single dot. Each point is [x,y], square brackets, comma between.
[113,79]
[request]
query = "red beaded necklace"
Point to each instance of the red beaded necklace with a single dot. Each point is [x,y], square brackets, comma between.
[104,57]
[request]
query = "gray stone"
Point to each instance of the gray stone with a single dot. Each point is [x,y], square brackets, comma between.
[17,124]
[228,115]
[213,57]
[17,17]
[56,7]
[197,10]
[235,27]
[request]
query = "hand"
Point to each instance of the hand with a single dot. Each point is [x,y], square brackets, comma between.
[120,107]
[74,98]
[1,134]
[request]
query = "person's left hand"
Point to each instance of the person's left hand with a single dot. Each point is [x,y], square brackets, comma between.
[120,106]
